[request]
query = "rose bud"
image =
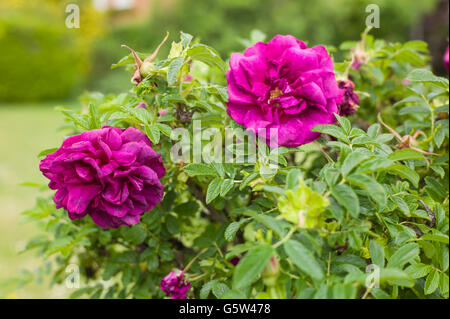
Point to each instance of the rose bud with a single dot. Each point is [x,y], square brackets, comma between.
[144,68]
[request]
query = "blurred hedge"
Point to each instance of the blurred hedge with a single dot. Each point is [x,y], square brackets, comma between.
[41,58]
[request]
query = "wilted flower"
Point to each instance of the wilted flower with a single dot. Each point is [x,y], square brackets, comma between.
[350,100]
[110,174]
[174,285]
[302,206]
[283,85]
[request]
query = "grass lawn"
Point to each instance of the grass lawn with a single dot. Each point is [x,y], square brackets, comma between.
[25,130]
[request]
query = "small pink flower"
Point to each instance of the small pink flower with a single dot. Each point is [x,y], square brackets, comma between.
[188,78]
[174,285]
[162,112]
[141,106]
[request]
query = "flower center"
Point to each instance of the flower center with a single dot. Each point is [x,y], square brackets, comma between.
[273,94]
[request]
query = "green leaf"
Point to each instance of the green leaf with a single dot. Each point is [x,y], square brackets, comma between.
[401,204]
[423,75]
[152,132]
[345,196]
[206,289]
[418,270]
[432,282]
[231,230]
[403,255]
[404,172]
[251,266]
[332,130]
[226,186]
[199,169]
[165,129]
[206,55]
[436,237]
[344,122]
[374,189]
[213,190]
[303,259]
[219,289]
[406,154]
[396,276]
[443,283]
[351,161]
[376,251]
[292,178]
[47,151]
[135,234]
[173,70]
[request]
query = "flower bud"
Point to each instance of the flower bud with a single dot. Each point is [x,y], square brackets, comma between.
[271,272]
[144,68]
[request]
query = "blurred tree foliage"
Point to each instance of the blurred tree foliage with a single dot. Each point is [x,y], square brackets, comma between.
[41,58]
[221,23]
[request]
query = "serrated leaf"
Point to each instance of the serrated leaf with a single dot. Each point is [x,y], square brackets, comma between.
[199,169]
[406,154]
[213,190]
[351,161]
[432,282]
[376,251]
[345,196]
[374,189]
[404,172]
[173,70]
[303,259]
[332,130]
[231,230]
[251,265]
[418,270]
[403,255]
[226,186]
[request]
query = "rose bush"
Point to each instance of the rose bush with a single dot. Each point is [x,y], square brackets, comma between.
[341,207]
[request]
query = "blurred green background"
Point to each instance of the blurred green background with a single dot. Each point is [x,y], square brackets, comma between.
[44,63]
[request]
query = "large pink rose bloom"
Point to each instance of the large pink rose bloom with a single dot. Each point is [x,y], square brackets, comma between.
[284,85]
[110,174]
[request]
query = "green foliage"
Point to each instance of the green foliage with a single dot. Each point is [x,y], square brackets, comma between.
[309,229]
[42,59]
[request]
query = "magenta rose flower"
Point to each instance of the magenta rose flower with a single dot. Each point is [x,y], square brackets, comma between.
[110,174]
[174,285]
[283,85]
